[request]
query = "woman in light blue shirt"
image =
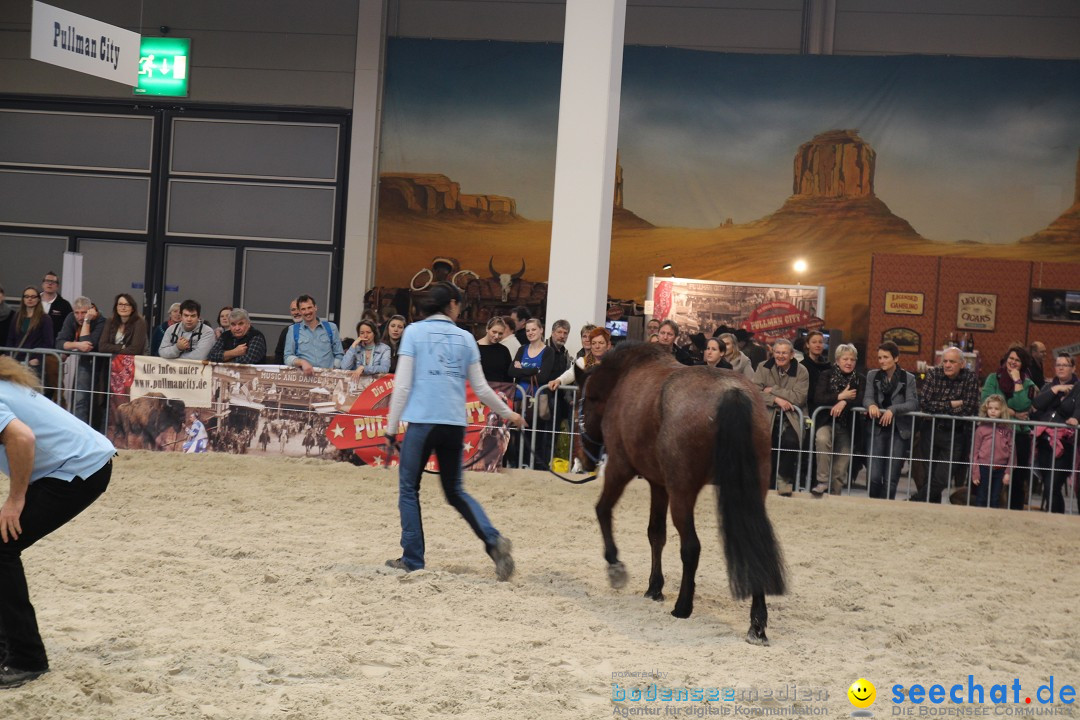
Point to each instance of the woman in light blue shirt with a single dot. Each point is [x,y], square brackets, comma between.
[58,466]
[367,357]
[435,359]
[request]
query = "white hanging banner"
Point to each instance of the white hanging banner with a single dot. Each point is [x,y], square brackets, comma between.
[85,45]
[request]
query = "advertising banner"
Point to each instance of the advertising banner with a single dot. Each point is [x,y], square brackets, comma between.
[362,428]
[768,311]
[192,406]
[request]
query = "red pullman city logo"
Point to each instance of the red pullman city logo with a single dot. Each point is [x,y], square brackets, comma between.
[362,428]
[778,319]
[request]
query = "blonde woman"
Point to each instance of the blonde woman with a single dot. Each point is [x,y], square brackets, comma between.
[738,359]
[494,356]
[841,389]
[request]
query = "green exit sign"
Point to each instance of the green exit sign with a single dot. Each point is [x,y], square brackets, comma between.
[164,66]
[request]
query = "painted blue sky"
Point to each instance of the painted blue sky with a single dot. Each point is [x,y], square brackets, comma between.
[979,149]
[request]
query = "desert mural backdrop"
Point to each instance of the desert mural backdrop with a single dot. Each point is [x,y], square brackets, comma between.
[732,166]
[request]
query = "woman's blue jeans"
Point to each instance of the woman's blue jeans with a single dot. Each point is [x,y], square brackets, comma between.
[888,451]
[446,441]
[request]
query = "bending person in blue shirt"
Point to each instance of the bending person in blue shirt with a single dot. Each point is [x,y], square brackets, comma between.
[57,465]
[435,359]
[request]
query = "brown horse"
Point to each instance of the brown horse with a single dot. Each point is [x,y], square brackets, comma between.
[681,428]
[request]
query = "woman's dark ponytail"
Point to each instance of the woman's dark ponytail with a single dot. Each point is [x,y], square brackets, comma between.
[438,296]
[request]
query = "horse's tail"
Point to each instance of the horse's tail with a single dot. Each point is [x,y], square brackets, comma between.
[753,556]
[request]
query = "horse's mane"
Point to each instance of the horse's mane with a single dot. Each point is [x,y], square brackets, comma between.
[622,358]
[631,354]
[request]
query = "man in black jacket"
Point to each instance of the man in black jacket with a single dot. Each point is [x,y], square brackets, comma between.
[56,307]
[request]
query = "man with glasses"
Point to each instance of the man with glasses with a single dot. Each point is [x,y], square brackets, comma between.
[949,390]
[279,352]
[56,307]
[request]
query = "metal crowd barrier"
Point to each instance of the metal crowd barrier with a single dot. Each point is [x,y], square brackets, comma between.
[778,451]
[925,457]
[543,434]
[77,381]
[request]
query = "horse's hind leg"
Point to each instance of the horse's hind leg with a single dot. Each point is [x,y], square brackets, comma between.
[657,538]
[682,515]
[615,481]
[759,618]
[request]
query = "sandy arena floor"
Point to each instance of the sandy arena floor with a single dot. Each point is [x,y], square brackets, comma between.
[245,587]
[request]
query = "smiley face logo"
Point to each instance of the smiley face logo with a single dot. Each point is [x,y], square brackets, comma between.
[862,693]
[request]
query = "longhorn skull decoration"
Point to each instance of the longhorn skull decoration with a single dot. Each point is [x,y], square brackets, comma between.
[505,279]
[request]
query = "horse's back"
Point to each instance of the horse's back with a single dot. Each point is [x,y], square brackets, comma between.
[690,405]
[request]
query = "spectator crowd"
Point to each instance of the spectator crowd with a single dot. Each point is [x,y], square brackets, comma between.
[880,421]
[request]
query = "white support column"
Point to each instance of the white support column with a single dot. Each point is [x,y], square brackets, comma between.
[585,163]
[819,31]
[358,266]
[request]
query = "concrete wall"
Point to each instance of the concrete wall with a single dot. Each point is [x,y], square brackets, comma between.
[302,52]
[990,28]
[247,52]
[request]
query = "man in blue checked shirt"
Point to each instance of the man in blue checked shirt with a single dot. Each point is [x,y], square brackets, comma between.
[312,343]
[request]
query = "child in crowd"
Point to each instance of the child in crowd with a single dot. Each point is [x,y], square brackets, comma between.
[991,451]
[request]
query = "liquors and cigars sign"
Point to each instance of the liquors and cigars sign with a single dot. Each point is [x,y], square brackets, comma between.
[976,311]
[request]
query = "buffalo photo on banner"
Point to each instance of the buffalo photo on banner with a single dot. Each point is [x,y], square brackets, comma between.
[157,404]
[192,406]
[730,167]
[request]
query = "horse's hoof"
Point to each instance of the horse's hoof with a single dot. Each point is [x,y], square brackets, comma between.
[681,612]
[655,595]
[757,637]
[616,575]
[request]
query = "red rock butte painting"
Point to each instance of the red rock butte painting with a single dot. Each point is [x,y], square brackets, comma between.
[700,178]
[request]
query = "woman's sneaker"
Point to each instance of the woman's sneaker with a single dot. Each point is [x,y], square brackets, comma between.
[13,677]
[504,563]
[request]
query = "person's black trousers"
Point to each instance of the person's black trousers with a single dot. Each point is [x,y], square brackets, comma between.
[49,504]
